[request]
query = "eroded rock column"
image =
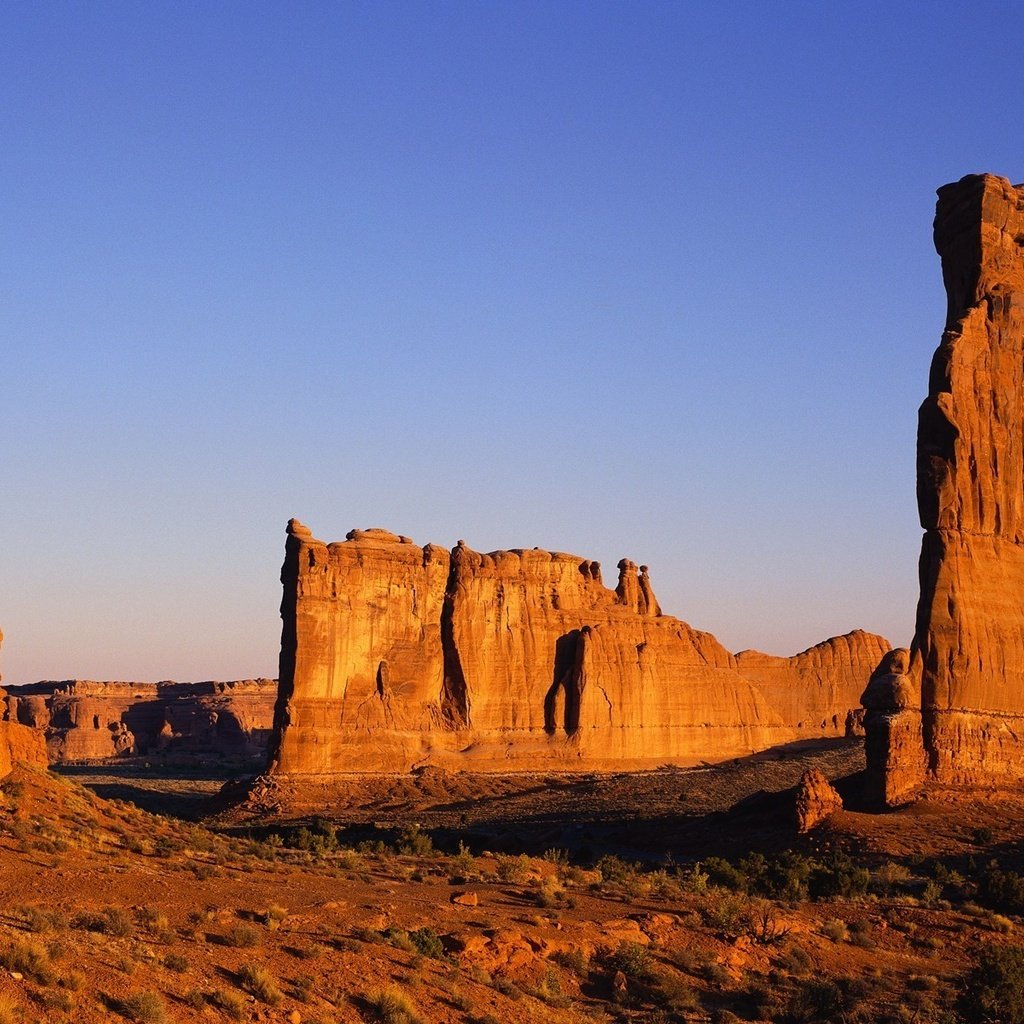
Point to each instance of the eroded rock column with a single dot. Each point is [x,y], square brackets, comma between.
[969,641]
[894,743]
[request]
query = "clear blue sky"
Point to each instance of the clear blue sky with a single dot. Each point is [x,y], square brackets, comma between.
[644,279]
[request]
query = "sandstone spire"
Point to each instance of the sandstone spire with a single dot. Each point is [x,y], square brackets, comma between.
[967,659]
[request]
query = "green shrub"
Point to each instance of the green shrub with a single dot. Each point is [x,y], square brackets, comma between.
[573,960]
[993,993]
[838,875]
[890,877]
[1002,890]
[814,1001]
[614,869]
[516,870]
[427,942]
[321,838]
[722,873]
[632,959]
[414,842]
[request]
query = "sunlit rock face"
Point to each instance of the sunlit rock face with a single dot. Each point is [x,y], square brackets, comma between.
[816,800]
[967,660]
[894,742]
[395,655]
[83,719]
[19,744]
[818,690]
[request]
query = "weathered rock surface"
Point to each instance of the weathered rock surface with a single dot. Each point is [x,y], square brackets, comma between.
[894,744]
[968,652]
[86,720]
[20,744]
[817,690]
[395,655]
[816,800]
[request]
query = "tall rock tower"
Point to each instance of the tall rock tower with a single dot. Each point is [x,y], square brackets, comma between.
[968,653]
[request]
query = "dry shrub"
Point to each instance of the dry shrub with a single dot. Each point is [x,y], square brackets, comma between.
[25,956]
[145,1008]
[243,936]
[393,1006]
[260,982]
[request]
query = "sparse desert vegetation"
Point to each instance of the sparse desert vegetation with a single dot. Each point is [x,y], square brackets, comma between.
[322,923]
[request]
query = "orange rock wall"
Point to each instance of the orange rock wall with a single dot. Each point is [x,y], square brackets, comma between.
[395,655]
[21,745]
[816,690]
[91,720]
[968,651]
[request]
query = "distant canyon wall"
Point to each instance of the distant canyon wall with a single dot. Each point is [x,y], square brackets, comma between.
[395,655]
[88,720]
[951,709]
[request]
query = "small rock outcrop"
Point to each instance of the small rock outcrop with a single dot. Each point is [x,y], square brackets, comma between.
[395,655]
[894,744]
[20,744]
[84,719]
[966,667]
[816,800]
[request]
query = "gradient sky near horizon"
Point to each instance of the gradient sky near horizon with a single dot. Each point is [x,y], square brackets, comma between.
[651,280]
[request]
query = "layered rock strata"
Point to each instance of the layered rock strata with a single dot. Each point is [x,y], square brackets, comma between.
[395,655]
[967,659]
[814,691]
[89,720]
[894,739]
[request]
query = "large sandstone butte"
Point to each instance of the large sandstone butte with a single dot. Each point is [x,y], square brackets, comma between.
[963,690]
[83,719]
[395,655]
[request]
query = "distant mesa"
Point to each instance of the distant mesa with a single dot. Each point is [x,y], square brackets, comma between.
[951,709]
[83,719]
[395,655]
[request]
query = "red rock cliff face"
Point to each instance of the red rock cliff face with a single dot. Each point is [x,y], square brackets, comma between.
[815,691]
[968,651]
[89,720]
[394,655]
[952,709]
[20,744]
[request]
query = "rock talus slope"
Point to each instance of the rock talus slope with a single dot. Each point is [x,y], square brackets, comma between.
[394,655]
[968,650]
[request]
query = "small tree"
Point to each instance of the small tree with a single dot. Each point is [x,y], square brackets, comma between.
[994,991]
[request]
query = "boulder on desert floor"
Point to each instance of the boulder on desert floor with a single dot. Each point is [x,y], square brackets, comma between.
[816,800]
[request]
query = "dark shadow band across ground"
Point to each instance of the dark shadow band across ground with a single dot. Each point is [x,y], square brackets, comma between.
[669,811]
